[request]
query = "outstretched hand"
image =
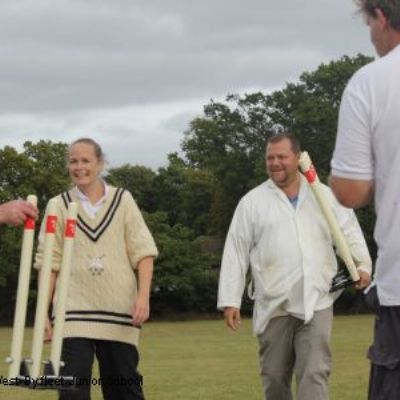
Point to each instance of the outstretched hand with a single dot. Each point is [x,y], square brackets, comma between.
[15,212]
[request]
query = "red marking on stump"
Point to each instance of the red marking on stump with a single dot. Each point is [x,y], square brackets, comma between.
[311,174]
[51,224]
[70,228]
[30,224]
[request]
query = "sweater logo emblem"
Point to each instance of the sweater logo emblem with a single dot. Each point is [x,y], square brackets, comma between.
[96,266]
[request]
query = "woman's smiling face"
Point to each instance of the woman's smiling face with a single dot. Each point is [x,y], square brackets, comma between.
[83,165]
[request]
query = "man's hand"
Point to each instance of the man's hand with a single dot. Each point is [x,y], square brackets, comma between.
[15,212]
[232,317]
[365,280]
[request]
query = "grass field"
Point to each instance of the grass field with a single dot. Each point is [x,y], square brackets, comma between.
[203,360]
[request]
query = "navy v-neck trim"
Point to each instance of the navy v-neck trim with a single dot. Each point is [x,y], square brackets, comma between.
[95,233]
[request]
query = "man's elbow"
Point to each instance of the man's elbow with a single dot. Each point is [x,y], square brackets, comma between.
[352,193]
[348,199]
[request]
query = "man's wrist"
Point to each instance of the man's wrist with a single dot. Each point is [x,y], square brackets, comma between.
[363,268]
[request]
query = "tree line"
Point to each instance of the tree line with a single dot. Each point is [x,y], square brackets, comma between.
[188,204]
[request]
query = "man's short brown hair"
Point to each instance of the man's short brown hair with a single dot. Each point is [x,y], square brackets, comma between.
[277,137]
[389,8]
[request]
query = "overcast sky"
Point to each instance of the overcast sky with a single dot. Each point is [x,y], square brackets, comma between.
[133,73]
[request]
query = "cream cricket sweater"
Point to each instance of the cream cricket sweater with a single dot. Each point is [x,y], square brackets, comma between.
[107,249]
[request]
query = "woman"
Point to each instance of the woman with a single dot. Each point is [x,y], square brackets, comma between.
[106,304]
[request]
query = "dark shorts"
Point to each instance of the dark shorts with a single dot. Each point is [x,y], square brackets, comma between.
[385,352]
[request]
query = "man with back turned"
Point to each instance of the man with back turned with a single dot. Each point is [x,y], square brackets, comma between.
[365,166]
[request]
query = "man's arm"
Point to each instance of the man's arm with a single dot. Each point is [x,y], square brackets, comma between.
[15,212]
[234,266]
[352,193]
[356,241]
[352,164]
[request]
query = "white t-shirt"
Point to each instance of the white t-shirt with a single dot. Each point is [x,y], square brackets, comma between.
[368,148]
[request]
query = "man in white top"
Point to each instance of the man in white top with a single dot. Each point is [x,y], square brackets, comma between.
[279,230]
[366,165]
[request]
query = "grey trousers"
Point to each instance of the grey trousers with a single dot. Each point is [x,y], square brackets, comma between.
[289,346]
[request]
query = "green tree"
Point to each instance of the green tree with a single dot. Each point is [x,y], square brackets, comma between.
[49,174]
[196,200]
[139,180]
[168,185]
[184,193]
[16,171]
[228,142]
[310,107]
[185,277]
[39,169]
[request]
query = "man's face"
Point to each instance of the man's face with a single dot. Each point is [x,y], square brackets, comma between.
[282,163]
